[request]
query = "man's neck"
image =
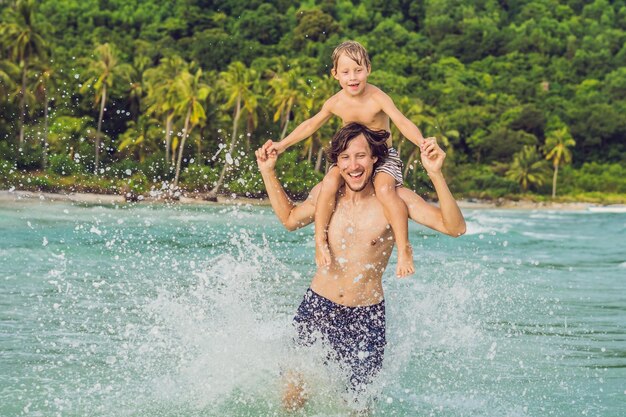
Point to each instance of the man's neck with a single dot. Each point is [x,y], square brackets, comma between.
[356,196]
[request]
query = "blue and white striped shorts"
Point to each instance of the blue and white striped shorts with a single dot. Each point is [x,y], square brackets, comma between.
[392,165]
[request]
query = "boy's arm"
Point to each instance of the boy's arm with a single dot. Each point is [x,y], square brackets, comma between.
[290,215]
[304,129]
[406,127]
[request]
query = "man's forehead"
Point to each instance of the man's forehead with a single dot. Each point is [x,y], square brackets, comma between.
[358,144]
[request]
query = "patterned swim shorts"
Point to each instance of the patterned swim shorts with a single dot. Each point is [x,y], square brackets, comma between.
[355,335]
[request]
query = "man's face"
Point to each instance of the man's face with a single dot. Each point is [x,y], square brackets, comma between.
[352,77]
[356,164]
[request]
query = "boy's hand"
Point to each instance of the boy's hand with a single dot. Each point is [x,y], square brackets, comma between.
[432,156]
[275,147]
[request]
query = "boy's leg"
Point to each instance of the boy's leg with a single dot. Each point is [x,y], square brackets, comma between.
[397,216]
[324,208]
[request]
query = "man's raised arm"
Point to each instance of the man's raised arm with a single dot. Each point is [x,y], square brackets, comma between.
[292,216]
[447,218]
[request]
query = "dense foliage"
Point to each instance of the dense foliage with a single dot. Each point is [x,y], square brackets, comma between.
[183,91]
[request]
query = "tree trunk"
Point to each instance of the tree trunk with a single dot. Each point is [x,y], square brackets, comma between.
[556,173]
[233,139]
[23,103]
[100,117]
[310,153]
[284,132]
[168,137]
[318,162]
[181,148]
[44,155]
[249,130]
[199,143]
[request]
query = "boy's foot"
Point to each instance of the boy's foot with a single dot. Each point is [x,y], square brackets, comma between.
[322,254]
[405,262]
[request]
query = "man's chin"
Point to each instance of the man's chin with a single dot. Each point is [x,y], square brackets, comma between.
[356,187]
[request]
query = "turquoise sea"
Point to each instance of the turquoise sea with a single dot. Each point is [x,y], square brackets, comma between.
[157,310]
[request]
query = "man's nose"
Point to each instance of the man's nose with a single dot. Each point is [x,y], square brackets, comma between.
[354,164]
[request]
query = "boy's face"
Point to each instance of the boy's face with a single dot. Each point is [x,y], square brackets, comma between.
[352,77]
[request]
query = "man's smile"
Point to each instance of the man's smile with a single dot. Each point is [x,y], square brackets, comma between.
[357,174]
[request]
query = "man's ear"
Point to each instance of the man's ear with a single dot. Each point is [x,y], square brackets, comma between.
[375,158]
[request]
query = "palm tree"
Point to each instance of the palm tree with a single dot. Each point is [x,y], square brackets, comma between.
[192,91]
[557,146]
[289,91]
[238,84]
[8,72]
[103,69]
[25,42]
[44,85]
[528,168]
[139,136]
[161,93]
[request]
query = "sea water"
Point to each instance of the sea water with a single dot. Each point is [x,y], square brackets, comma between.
[167,310]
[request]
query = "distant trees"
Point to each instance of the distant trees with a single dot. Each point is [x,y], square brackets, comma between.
[170,81]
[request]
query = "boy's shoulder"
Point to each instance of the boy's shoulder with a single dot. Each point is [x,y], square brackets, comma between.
[334,99]
[375,91]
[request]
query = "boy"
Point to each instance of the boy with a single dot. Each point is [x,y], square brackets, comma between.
[363,103]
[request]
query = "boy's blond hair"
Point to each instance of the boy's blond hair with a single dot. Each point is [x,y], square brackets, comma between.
[354,51]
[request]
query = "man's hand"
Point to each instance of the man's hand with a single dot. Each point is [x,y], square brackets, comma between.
[264,159]
[272,146]
[432,156]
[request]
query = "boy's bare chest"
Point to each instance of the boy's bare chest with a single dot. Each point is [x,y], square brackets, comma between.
[365,112]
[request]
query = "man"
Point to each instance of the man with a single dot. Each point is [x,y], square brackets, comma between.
[345,302]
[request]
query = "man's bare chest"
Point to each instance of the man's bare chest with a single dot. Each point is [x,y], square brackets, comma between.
[352,228]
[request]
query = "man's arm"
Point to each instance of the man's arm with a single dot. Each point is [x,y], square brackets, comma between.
[447,218]
[304,129]
[406,127]
[290,215]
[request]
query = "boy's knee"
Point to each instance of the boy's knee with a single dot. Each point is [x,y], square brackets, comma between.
[386,190]
[332,179]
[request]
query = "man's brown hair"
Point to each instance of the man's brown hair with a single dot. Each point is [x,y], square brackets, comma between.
[355,51]
[376,139]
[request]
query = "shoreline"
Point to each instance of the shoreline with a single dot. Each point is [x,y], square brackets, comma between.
[198,199]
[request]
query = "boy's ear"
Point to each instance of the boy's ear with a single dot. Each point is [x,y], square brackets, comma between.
[333,72]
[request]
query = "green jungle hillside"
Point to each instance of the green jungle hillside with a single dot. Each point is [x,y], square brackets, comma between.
[136,96]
